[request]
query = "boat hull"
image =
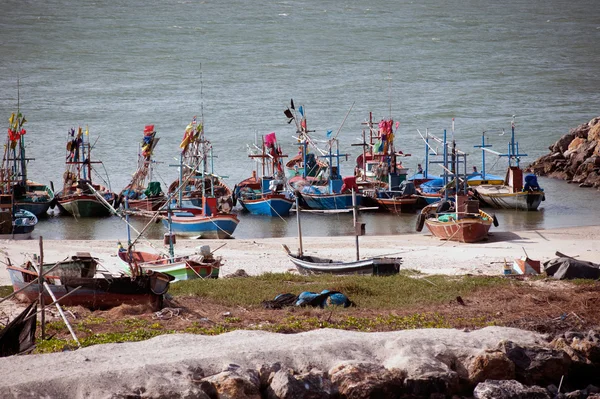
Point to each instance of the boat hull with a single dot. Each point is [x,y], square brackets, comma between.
[38,199]
[467,228]
[268,205]
[182,268]
[395,205]
[330,201]
[373,266]
[95,293]
[212,227]
[147,204]
[84,206]
[501,198]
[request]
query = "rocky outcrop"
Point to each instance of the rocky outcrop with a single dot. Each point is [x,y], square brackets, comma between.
[493,362]
[575,157]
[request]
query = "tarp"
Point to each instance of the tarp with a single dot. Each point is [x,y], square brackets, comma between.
[153,189]
[569,268]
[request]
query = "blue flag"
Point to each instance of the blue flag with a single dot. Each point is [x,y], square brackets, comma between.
[301,110]
[329,133]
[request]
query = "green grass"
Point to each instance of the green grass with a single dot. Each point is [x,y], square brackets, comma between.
[391,292]
[5,290]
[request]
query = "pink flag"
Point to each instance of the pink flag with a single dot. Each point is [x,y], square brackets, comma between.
[270,139]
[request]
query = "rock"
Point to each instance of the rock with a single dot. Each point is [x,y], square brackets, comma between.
[234,383]
[237,273]
[594,133]
[287,385]
[536,365]
[508,389]
[266,372]
[491,366]
[366,380]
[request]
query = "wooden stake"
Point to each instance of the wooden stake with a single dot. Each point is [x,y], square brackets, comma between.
[300,251]
[41,288]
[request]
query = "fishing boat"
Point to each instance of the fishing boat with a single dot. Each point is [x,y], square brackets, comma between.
[79,196]
[477,178]
[382,178]
[459,220]
[305,163]
[199,211]
[142,193]
[200,180]
[200,265]
[265,195]
[79,281]
[516,192]
[28,195]
[15,223]
[376,266]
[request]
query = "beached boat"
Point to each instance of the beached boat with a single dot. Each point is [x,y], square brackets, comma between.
[143,194]
[15,223]
[199,180]
[77,198]
[265,195]
[516,192]
[78,281]
[202,223]
[459,220]
[469,225]
[200,265]
[371,266]
[28,195]
[377,266]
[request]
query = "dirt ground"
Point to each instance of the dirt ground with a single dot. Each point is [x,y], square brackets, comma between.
[543,305]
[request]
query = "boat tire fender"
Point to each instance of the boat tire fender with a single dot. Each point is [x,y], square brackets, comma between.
[495,220]
[420,222]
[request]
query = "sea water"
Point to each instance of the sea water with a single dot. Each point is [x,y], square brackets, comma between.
[117,66]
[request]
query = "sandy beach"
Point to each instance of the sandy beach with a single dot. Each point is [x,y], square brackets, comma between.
[421,252]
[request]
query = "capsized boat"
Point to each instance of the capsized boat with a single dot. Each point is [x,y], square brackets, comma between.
[77,198]
[265,195]
[28,195]
[80,280]
[143,194]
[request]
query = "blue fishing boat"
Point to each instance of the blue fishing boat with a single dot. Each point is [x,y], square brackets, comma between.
[212,219]
[265,195]
[15,223]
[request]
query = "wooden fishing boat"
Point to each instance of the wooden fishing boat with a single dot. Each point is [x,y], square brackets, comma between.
[377,266]
[371,266]
[77,198]
[28,195]
[78,281]
[402,200]
[202,223]
[470,225]
[459,220]
[200,265]
[512,193]
[17,224]
[199,180]
[143,194]
[265,195]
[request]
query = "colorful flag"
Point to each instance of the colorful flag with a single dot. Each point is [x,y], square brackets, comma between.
[329,132]
[194,120]
[301,110]
[270,139]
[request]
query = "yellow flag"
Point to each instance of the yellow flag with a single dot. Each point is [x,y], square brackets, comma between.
[11,119]
[87,131]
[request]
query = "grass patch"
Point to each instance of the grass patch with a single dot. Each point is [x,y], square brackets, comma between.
[391,292]
[5,290]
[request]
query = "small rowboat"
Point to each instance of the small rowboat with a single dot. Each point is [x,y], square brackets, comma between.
[371,266]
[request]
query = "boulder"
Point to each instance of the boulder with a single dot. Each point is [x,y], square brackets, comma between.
[315,384]
[234,382]
[491,366]
[356,380]
[536,365]
[508,389]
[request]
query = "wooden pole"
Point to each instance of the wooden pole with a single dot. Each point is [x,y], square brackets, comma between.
[41,288]
[354,208]
[300,251]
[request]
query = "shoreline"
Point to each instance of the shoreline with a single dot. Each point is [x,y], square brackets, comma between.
[421,252]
